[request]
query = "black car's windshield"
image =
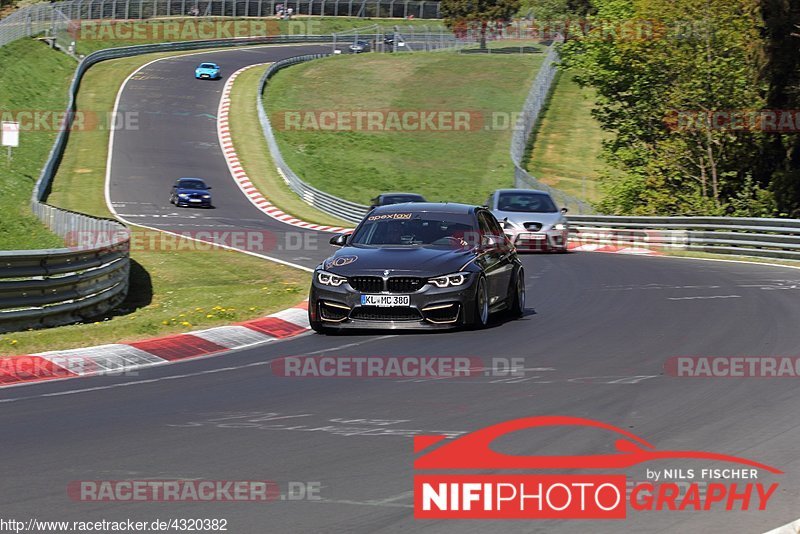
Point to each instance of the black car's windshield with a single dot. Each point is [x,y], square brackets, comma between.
[192,185]
[415,229]
[526,202]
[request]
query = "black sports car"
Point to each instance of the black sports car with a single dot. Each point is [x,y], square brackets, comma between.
[418,265]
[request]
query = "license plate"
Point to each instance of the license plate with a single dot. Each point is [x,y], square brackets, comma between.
[194,200]
[385,301]
[533,237]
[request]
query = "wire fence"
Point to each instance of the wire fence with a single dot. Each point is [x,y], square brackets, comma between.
[401,38]
[48,18]
[520,142]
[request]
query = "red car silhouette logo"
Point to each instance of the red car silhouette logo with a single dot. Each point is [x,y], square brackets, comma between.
[473,450]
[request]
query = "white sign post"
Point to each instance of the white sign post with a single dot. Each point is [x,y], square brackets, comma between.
[10,136]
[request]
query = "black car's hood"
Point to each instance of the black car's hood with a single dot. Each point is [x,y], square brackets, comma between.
[402,261]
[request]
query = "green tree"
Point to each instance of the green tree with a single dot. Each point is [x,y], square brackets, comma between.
[477,13]
[779,163]
[548,10]
[654,60]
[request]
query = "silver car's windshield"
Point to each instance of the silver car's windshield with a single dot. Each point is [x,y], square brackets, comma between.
[524,201]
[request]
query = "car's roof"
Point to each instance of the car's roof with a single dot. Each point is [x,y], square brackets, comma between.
[429,207]
[522,191]
[206,64]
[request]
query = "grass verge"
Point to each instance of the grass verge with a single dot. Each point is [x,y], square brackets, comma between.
[33,90]
[171,291]
[445,164]
[254,155]
[568,142]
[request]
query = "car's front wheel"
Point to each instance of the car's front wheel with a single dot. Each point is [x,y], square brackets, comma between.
[480,308]
[315,325]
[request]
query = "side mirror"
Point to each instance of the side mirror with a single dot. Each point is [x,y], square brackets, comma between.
[339,240]
[564,210]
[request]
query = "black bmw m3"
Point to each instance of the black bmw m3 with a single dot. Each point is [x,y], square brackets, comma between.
[418,265]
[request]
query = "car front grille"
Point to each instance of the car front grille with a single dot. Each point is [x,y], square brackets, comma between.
[533,226]
[404,284]
[375,313]
[366,284]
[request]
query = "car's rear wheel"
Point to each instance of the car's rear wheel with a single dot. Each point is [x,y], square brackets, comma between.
[480,311]
[516,294]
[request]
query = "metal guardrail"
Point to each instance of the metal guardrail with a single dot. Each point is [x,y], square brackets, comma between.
[769,238]
[331,204]
[534,103]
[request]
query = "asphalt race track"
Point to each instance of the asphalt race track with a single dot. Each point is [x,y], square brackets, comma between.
[176,137]
[595,339]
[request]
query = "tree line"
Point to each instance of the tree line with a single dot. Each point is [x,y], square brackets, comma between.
[702,98]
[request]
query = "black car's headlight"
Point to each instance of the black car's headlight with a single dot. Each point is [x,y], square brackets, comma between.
[183,195]
[329,279]
[206,196]
[448,280]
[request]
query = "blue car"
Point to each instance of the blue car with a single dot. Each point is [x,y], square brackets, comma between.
[190,192]
[210,71]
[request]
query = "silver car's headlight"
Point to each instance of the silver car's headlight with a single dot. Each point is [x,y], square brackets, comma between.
[455,279]
[560,226]
[329,279]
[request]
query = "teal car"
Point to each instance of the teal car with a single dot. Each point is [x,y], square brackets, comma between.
[207,71]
